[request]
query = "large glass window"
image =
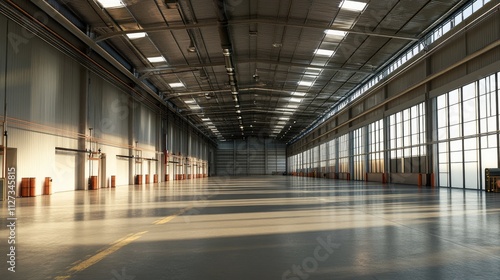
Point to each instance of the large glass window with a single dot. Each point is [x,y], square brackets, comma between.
[344,153]
[359,153]
[332,156]
[407,140]
[376,147]
[467,123]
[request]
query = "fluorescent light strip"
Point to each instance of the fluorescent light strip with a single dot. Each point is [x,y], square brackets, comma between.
[299,93]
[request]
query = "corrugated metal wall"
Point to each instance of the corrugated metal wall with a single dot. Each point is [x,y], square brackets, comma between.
[52,101]
[252,156]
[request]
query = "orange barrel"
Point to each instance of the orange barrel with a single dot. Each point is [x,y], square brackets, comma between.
[32,188]
[93,183]
[183,176]
[155,178]
[25,185]
[113,181]
[138,179]
[167,177]
[47,187]
[147,178]
[189,176]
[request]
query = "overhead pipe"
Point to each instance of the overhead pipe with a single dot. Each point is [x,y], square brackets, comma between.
[227,48]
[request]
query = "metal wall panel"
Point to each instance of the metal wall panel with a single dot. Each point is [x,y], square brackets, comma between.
[3,63]
[484,34]
[44,110]
[251,157]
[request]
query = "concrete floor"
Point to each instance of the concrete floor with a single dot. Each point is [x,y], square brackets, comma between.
[261,227]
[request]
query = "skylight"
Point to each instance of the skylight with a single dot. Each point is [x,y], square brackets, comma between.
[324,52]
[306,83]
[336,33]
[353,5]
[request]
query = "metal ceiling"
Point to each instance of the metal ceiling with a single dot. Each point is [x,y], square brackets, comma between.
[239,62]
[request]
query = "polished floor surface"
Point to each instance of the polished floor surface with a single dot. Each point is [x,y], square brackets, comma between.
[261,227]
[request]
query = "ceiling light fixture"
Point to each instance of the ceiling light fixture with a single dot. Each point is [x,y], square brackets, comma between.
[137,35]
[156,59]
[299,93]
[176,85]
[191,48]
[109,4]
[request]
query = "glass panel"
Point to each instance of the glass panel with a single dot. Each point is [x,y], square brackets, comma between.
[456,170]
[453,97]
[469,110]
[471,175]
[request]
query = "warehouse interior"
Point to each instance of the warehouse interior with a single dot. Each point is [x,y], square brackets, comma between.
[230,139]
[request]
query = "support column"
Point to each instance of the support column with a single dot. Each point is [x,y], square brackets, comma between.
[131,142]
[81,180]
[430,124]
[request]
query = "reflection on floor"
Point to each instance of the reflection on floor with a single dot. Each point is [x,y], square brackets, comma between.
[268,227]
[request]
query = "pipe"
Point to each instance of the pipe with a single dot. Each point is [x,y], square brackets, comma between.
[71,150]
[227,48]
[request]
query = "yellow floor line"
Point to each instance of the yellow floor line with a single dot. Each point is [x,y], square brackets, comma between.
[170,218]
[115,246]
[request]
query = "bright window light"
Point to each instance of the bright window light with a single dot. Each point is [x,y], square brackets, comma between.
[299,93]
[293,99]
[111,3]
[306,83]
[205,119]
[336,33]
[284,119]
[189,101]
[323,52]
[155,59]
[136,35]
[176,85]
[293,106]
[353,5]
[313,71]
